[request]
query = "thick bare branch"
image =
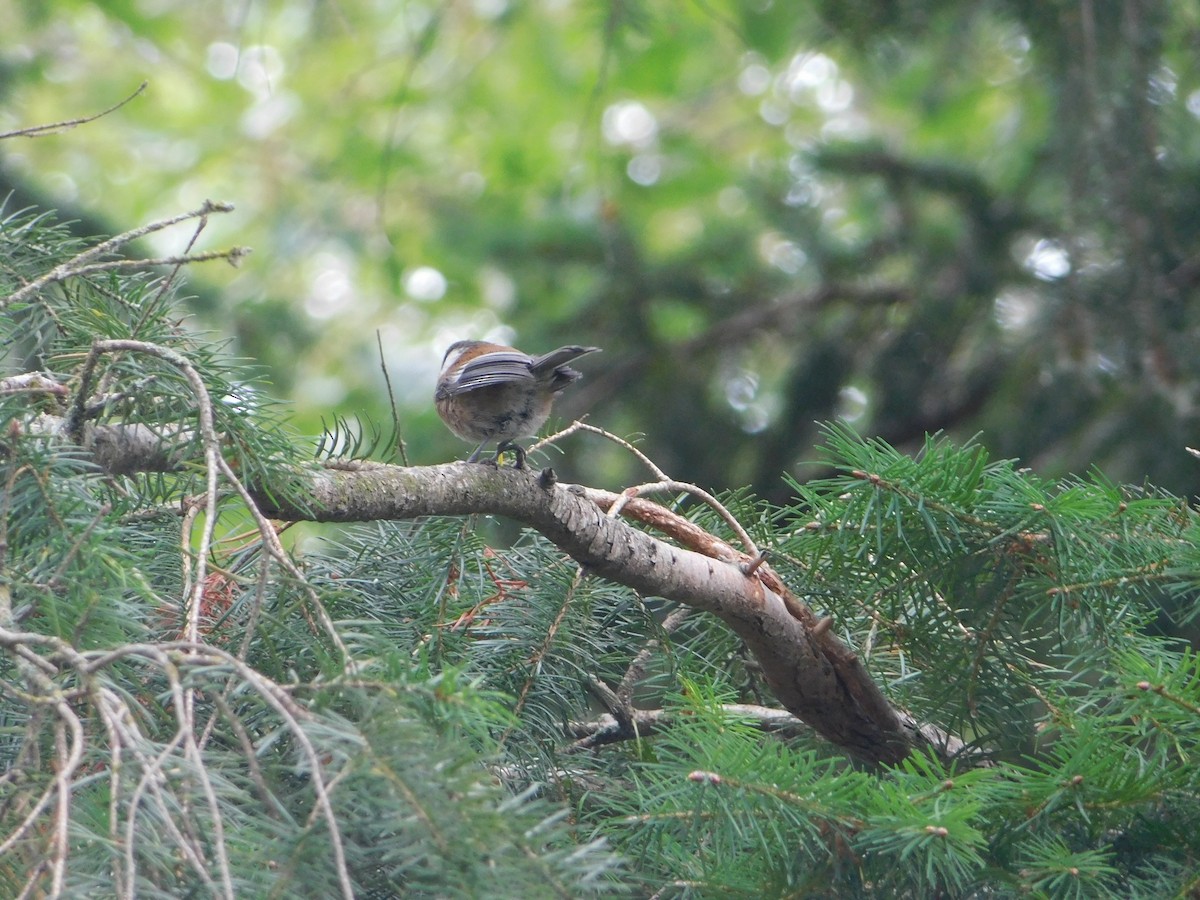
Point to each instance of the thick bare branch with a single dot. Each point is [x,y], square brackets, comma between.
[124,449]
[811,672]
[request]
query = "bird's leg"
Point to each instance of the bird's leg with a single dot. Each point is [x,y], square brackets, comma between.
[474,457]
[517,450]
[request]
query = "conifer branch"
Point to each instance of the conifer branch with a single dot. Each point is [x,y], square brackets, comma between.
[815,676]
[170,659]
[85,263]
[811,671]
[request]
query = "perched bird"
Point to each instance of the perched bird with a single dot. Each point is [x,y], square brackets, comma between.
[489,392]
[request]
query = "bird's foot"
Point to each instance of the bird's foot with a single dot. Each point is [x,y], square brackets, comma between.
[518,452]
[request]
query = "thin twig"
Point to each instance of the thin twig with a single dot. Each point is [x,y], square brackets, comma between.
[33,383]
[184,711]
[578,425]
[148,308]
[104,699]
[271,538]
[535,660]
[167,657]
[387,378]
[79,405]
[663,481]
[608,730]
[212,458]
[57,127]
[233,255]
[191,508]
[637,668]
[270,804]
[56,578]
[82,263]
[655,487]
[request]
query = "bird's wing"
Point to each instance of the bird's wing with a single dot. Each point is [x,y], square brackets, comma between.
[488,369]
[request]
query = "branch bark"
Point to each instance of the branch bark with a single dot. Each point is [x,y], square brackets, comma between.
[123,449]
[812,673]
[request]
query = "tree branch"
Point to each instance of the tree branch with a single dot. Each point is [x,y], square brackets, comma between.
[812,673]
[86,261]
[123,449]
[609,729]
[56,127]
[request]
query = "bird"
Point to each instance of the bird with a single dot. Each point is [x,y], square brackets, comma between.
[490,392]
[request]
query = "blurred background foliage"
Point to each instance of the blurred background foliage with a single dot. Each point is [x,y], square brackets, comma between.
[977,217]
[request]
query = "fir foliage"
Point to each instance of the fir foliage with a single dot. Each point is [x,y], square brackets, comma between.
[427,743]
[259,766]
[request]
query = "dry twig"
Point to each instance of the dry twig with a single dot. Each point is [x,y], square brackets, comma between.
[68,124]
